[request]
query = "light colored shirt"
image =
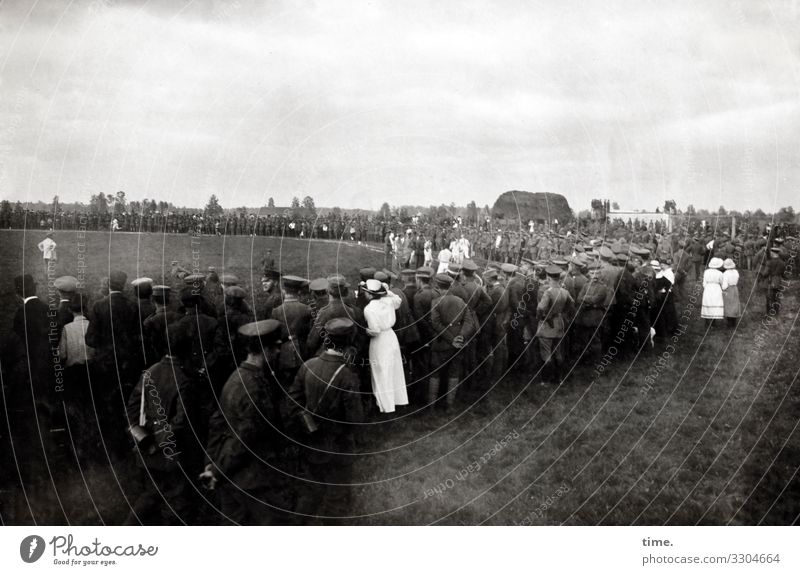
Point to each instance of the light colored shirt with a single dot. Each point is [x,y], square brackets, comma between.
[72,348]
[48,248]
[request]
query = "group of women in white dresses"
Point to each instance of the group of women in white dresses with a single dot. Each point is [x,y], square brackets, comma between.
[721,291]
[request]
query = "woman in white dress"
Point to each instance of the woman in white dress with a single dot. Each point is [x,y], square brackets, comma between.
[713,305]
[386,362]
[730,292]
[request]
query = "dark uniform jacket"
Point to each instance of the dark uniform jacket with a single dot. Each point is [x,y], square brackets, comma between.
[404,325]
[155,332]
[32,328]
[295,318]
[450,317]
[422,312]
[553,306]
[335,309]
[246,432]
[202,330]
[176,413]
[478,301]
[591,304]
[334,405]
[113,327]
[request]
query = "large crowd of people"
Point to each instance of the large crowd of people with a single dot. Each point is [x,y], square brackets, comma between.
[257,398]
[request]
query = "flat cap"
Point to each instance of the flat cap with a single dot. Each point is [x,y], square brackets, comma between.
[141,281]
[490,274]
[639,251]
[425,272]
[161,290]
[194,278]
[560,263]
[444,280]
[469,265]
[339,327]
[235,292]
[389,273]
[407,273]
[381,276]
[366,273]
[622,257]
[229,279]
[319,284]
[265,329]
[66,283]
[453,268]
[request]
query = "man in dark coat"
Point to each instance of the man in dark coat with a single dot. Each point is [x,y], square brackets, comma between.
[325,403]
[154,329]
[113,332]
[453,326]
[170,406]
[247,448]
[295,318]
[201,329]
[336,308]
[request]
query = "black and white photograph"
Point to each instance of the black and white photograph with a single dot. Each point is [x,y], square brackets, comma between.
[382,264]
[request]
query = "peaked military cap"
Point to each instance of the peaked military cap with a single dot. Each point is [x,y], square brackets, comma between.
[267,329]
[469,265]
[339,327]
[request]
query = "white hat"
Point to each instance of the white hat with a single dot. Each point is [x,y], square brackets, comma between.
[374,287]
[655,265]
[729,264]
[715,263]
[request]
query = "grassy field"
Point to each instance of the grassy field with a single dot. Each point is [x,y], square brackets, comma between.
[712,439]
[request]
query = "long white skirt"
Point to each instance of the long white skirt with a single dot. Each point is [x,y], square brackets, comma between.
[386,366]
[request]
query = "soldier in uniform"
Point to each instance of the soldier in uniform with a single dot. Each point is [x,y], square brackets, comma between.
[319,294]
[453,326]
[365,274]
[421,356]
[772,273]
[230,345]
[168,413]
[338,290]
[142,292]
[480,304]
[295,318]
[325,404]
[553,305]
[154,329]
[515,288]
[270,284]
[493,332]
[197,283]
[591,308]
[202,331]
[247,448]
[112,332]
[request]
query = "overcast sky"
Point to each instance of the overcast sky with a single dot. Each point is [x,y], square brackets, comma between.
[357,103]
